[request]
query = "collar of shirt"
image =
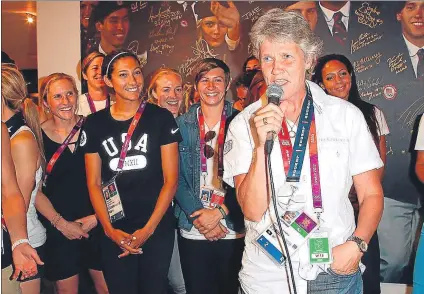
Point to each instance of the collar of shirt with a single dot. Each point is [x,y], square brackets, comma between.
[328,14]
[412,49]
[101,50]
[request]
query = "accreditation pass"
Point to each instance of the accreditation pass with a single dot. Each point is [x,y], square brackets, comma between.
[113,201]
[297,227]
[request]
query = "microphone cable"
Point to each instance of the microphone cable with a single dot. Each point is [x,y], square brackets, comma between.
[268,149]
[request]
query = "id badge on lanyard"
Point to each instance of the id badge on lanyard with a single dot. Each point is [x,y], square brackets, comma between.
[210,196]
[113,200]
[320,247]
[110,190]
[298,227]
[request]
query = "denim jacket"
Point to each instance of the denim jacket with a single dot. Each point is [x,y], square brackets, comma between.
[187,195]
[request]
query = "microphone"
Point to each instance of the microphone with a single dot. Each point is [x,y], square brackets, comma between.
[274,93]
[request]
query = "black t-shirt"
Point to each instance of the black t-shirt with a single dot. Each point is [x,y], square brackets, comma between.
[66,186]
[141,181]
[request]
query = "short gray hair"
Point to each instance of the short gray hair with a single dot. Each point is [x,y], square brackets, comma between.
[284,26]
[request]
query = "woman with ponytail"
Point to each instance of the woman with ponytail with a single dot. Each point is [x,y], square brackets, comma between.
[21,117]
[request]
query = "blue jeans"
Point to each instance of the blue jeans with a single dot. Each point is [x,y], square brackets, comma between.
[332,283]
[419,267]
[396,234]
[175,274]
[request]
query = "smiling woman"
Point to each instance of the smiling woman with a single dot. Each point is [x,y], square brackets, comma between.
[72,237]
[97,96]
[335,74]
[132,148]
[166,90]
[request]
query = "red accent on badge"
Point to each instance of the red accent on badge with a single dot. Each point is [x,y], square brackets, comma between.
[389,92]
[184,23]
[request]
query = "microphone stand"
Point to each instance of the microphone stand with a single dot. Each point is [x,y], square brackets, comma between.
[268,148]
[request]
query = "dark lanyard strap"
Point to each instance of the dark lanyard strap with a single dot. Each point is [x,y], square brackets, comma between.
[130,132]
[203,161]
[62,148]
[91,103]
[293,156]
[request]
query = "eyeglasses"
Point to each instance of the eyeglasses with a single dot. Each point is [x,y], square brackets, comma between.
[208,150]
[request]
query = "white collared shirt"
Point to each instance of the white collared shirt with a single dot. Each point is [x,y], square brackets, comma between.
[413,50]
[345,149]
[101,50]
[420,136]
[328,14]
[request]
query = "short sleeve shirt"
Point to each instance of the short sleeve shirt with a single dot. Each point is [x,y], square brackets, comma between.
[420,136]
[141,181]
[345,149]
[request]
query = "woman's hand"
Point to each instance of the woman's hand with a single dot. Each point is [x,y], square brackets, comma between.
[207,219]
[71,230]
[25,260]
[123,240]
[138,238]
[346,258]
[219,232]
[268,119]
[87,223]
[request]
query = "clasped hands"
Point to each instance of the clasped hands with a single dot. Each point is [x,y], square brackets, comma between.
[130,243]
[77,229]
[208,223]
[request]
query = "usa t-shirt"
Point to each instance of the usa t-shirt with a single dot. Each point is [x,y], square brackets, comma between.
[141,181]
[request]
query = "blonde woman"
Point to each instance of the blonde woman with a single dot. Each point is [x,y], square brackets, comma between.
[72,239]
[21,117]
[97,96]
[166,90]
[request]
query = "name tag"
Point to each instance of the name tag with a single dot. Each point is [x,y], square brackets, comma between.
[211,197]
[319,248]
[113,201]
[297,228]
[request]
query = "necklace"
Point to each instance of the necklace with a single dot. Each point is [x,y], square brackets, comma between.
[292,133]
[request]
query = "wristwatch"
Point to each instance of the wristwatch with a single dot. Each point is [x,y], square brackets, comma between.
[363,246]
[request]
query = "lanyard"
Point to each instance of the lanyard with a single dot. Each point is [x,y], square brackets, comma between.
[91,103]
[203,164]
[130,132]
[293,156]
[62,148]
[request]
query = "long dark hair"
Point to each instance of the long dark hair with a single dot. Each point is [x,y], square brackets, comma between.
[368,109]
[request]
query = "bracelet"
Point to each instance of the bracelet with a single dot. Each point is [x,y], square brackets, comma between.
[56,220]
[222,211]
[19,242]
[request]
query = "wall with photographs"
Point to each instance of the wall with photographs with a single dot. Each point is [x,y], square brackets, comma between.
[180,33]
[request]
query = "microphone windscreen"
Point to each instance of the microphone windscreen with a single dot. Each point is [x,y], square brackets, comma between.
[274,94]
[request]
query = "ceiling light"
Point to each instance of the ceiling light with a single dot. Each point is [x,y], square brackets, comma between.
[30,18]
